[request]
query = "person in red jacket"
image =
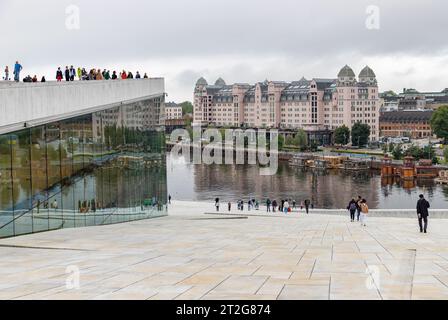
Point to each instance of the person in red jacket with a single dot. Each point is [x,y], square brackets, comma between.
[124,75]
[59,75]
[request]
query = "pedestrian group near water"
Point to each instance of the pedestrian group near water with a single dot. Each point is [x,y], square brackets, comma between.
[357,208]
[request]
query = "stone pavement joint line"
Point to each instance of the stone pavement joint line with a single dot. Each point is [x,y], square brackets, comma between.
[184,256]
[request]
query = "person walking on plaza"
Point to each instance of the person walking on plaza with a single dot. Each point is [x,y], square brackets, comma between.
[124,75]
[307,206]
[169,199]
[17,69]
[145,76]
[358,207]
[294,204]
[286,207]
[137,75]
[59,75]
[114,75]
[217,204]
[274,205]
[229,206]
[268,205]
[79,73]
[423,213]
[352,207]
[364,212]
[43,79]
[6,73]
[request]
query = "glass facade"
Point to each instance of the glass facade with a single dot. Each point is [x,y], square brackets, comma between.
[102,168]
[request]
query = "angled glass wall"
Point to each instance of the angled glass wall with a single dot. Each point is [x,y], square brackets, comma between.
[102,168]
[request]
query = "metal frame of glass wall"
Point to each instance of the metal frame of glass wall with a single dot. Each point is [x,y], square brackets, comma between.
[96,169]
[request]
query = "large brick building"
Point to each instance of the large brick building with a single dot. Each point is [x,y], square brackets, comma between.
[412,124]
[314,105]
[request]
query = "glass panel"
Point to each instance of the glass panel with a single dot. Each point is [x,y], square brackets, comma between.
[21,173]
[6,202]
[54,151]
[39,179]
[68,174]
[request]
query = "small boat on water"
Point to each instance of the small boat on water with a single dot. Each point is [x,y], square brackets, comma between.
[301,161]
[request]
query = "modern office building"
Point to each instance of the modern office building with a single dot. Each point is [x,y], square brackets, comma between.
[313,105]
[81,154]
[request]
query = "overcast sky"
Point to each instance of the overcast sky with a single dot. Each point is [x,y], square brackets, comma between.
[239,40]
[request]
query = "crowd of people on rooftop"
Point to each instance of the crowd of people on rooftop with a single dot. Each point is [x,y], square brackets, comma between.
[72,74]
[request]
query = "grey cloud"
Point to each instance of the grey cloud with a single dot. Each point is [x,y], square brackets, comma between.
[314,37]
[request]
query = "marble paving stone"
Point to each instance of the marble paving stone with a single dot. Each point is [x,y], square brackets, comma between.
[183,256]
[304,292]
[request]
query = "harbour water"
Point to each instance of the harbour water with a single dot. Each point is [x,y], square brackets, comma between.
[327,190]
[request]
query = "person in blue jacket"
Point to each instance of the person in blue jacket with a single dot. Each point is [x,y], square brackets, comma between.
[17,68]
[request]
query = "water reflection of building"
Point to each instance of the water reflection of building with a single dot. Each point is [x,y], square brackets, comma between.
[135,116]
[330,189]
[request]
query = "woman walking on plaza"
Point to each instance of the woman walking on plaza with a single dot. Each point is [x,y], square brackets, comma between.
[352,207]
[358,204]
[364,212]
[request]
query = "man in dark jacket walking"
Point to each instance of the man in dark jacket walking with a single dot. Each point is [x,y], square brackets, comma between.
[422,213]
[307,206]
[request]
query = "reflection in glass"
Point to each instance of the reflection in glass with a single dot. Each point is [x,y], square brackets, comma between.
[106,167]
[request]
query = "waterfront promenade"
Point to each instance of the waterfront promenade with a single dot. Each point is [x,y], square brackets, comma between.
[192,255]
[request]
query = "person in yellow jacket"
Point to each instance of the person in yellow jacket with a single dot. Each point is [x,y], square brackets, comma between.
[364,212]
[79,72]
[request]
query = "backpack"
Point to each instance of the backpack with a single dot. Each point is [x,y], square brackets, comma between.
[352,206]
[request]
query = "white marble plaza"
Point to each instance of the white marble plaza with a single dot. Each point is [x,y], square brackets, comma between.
[192,255]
